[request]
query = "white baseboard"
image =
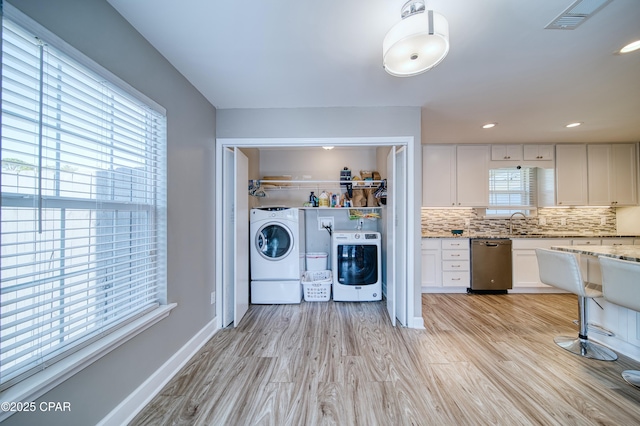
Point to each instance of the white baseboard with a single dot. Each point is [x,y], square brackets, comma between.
[418,322]
[138,399]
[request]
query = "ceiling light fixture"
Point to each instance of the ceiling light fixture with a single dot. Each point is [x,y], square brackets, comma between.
[631,47]
[327,147]
[417,43]
[576,124]
[489,125]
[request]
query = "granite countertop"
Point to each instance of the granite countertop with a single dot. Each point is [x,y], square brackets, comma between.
[513,236]
[631,253]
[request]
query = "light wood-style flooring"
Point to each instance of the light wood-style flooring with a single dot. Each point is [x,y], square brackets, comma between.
[483,359]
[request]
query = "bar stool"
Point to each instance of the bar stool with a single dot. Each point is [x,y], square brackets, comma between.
[621,286]
[561,270]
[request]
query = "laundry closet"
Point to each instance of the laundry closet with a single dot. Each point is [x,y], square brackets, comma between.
[286,233]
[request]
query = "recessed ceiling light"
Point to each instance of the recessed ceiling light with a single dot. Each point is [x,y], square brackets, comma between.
[489,125]
[576,124]
[631,47]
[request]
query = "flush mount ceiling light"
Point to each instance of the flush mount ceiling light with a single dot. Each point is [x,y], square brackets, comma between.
[417,43]
[327,147]
[576,124]
[489,125]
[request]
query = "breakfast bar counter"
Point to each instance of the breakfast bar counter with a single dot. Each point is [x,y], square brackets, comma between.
[631,253]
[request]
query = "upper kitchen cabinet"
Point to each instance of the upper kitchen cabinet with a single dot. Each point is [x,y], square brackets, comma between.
[538,152]
[571,175]
[506,152]
[438,175]
[612,174]
[455,176]
[472,175]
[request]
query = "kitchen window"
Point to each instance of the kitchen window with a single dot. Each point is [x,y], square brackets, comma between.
[512,189]
[83,192]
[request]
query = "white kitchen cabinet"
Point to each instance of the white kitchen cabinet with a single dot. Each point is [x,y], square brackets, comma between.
[526,276]
[456,270]
[571,175]
[472,175]
[431,263]
[533,152]
[621,241]
[506,152]
[438,175]
[445,265]
[455,176]
[612,171]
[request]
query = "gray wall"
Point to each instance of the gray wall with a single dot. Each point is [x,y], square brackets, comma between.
[336,122]
[97,30]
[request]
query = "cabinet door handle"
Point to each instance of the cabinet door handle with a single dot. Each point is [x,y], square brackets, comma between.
[455,279]
[455,255]
[455,266]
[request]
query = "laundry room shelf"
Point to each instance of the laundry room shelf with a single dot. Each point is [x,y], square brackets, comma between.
[311,184]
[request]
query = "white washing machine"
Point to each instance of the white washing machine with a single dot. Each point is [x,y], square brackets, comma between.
[277,254]
[356,264]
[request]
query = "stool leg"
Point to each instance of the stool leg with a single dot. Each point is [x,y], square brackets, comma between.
[582,346]
[632,377]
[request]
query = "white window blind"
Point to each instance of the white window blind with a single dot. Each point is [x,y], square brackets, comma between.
[83,227]
[511,189]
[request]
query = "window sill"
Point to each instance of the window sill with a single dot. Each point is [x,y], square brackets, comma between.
[37,385]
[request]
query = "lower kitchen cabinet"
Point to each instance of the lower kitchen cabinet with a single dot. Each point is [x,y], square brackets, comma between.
[431,262]
[445,265]
[526,278]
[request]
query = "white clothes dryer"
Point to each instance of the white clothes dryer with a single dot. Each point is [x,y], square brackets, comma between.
[277,254]
[356,264]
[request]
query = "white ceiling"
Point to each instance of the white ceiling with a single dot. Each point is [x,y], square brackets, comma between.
[503,65]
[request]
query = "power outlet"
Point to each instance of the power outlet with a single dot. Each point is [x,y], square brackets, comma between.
[563,221]
[603,220]
[213,297]
[325,222]
[467,222]
[542,221]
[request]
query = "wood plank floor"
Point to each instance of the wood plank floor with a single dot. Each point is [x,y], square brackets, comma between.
[483,359]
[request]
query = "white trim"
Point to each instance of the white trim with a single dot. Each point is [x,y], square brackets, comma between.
[139,398]
[40,383]
[307,142]
[412,231]
[418,322]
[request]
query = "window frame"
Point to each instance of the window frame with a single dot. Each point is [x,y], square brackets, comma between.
[529,209]
[35,385]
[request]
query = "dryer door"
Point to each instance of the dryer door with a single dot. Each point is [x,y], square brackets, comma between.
[274,241]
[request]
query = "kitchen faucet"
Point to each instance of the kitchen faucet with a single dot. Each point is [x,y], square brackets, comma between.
[511,221]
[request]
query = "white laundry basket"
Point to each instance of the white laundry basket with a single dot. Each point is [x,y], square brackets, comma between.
[317,285]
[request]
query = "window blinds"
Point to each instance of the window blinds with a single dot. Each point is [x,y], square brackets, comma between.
[83,206]
[512,189]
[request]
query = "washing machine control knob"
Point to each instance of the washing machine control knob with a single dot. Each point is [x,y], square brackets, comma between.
[356,236]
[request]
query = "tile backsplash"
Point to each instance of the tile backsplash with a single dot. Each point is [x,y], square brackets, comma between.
[572,221]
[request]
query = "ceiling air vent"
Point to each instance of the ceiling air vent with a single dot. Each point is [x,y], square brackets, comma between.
[576,14]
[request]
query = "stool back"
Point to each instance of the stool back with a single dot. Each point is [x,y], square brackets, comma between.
[621,282]
[560,269]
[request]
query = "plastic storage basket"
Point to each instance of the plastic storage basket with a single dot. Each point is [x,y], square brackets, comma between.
[317,285]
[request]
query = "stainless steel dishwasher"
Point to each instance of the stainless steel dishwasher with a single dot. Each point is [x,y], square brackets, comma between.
[490,265]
